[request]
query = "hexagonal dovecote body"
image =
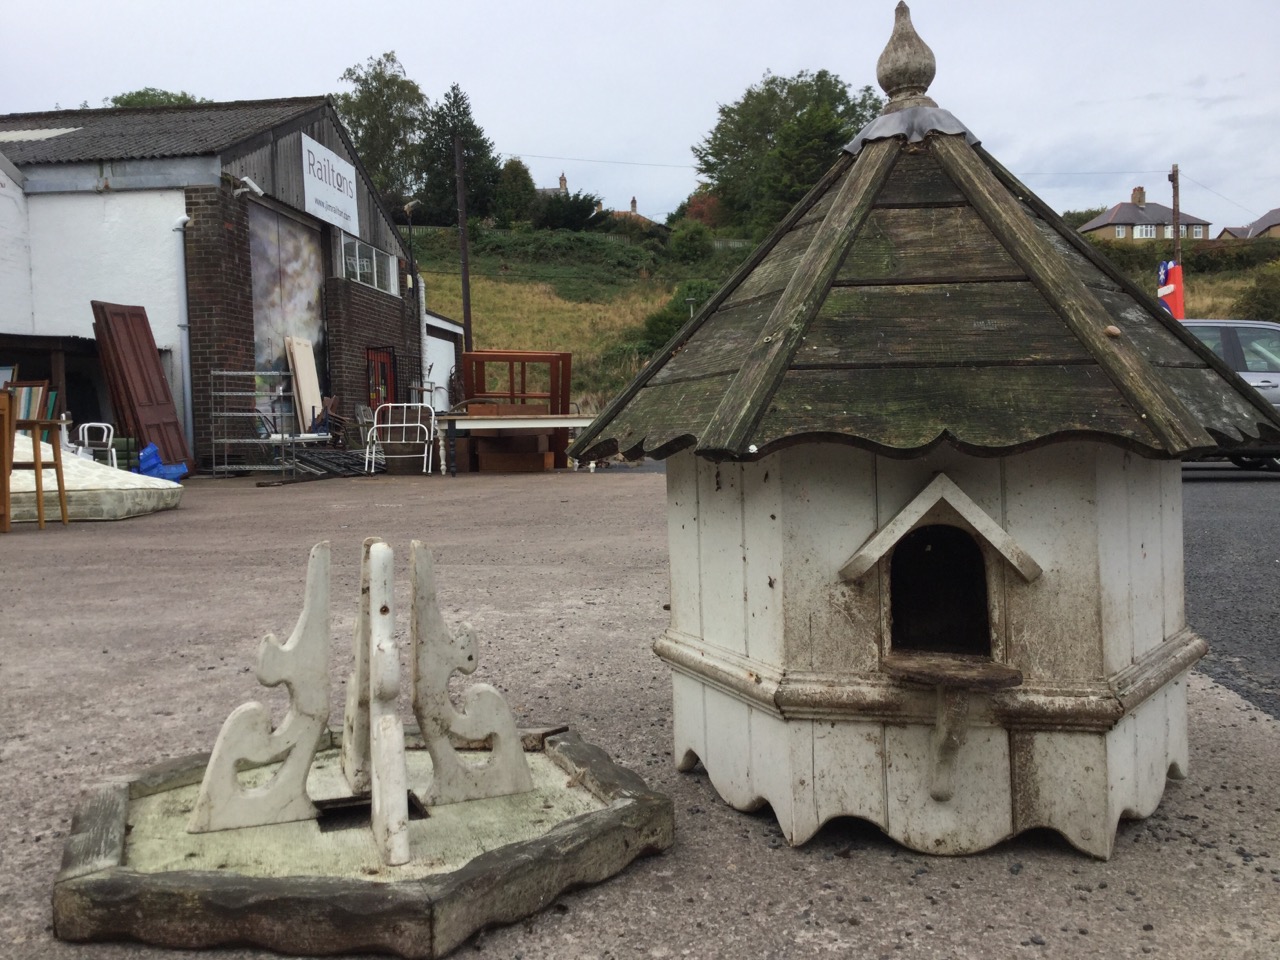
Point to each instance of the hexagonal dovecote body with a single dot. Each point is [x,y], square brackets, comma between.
[780,680]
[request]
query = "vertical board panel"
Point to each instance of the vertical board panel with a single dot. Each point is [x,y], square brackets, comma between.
[689,730]
[1150,752]
[782,772]
[682,542]
[848,771]
[1123,793]
[828,507]
[720,554]
[1176,726]
[762,537]
[1114,570]
[1060,781]
[979,814]
[1175,611]
[728,749]
[1053,626]
[1146,553]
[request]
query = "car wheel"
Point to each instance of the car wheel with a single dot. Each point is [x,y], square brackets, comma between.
[1256,463]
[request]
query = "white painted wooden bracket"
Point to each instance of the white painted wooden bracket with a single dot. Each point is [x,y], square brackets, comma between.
[355,718]
[437,653]
[942,489]
[389,781]
[302,664]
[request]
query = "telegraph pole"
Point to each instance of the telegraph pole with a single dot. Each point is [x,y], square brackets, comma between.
[462,244]
[1177,217]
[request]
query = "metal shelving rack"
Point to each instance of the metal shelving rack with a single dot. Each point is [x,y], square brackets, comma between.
[254,425]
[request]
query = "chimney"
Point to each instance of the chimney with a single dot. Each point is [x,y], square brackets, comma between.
[599,206]
[633,204]
[564,183]
[1140,196]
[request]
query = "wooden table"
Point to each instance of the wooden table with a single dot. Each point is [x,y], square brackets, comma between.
[458,421]
[36,463]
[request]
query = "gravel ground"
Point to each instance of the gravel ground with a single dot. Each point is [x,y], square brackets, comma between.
[128,643]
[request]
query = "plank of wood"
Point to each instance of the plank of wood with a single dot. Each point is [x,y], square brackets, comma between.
[586,440]
[1178,431]
[969,323]
[660,415]
[731,428]
[926,243]
[983,408]
[917,180]
[776,270]
[306,384]
[719,344]
[951,670]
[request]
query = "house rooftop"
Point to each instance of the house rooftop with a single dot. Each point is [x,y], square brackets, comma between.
[1260,226]
[71,136]
[1141,213]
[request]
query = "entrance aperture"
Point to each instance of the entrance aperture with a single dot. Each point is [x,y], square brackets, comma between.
[938,593]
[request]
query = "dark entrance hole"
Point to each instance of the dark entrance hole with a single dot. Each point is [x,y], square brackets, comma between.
[938,593]
[348,813]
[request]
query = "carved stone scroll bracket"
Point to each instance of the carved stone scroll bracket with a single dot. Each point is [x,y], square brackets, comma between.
[389,779]
[302,665]
[485,715]
[355,717]
[948,737]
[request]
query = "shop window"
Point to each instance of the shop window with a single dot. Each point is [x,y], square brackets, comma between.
[367,264]
[938,593]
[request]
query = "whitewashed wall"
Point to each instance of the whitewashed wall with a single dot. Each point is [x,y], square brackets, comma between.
[15,255]
[118,247]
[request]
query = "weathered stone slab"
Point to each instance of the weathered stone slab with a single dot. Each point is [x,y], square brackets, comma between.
[608,818]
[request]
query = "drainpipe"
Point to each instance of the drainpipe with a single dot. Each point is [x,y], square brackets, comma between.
[184,338]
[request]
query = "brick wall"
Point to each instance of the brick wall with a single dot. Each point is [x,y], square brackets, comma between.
[219,297]
[359,317]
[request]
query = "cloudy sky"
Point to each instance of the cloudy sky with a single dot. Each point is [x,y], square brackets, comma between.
[1082,99]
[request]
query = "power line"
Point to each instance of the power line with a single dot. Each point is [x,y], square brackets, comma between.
[620,163]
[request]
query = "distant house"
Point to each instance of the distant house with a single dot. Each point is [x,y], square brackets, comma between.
[1267,225]
[560,191]
[634,217]
[1139,220]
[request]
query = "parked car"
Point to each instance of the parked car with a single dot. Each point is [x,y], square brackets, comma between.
[1252,349]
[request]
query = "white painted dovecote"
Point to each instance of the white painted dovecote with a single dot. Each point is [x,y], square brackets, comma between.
[924,504]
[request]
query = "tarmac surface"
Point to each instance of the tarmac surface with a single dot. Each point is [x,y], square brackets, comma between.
[123,644]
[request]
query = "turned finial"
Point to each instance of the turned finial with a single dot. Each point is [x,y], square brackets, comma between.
[906,68]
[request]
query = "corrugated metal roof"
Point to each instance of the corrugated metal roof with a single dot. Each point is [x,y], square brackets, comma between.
[143,133]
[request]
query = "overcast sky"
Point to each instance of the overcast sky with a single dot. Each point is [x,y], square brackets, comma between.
[1082,99]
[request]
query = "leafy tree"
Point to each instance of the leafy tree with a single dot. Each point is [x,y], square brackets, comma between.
[515,197]
[569,211]
[384,113]
[444,120]
[803,119]
[690,241]
[152,97]
[1261,299]
[1075,219]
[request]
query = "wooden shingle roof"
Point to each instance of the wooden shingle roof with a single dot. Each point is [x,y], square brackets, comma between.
[920,294]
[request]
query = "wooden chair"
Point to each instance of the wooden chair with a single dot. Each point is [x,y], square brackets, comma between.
[8,433]
[29,399]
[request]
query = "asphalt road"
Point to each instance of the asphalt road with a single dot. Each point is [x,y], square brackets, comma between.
[1233,576]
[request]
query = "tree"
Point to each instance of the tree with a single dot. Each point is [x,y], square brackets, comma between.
[805,119]
[1075,219]
[446,119]
[690,241]
[384,113]
[1261,299]
[152,97]
[569,211]
[516,197]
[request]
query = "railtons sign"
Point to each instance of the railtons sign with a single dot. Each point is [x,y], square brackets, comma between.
[329,186]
